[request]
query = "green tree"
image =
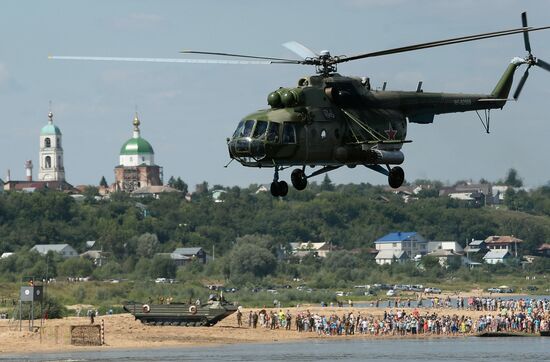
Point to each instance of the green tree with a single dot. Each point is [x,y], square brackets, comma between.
[513,179]
[180,185]
[327,184]
[147,245]
[103,182]
[75,267]
[162,267]
[251,259]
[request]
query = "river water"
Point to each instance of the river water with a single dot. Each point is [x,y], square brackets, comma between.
[443,349]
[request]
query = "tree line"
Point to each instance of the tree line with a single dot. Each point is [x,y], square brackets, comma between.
[248,232]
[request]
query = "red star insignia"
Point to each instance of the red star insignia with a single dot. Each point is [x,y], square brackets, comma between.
[391,133]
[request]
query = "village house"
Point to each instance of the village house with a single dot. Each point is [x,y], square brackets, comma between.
[300,250]
[445,245]
[478,194]
[497,256]
[97,257]
[509,243]
[447,252]
[65,250]
[475,247]
[390,256]
[181,256]
[544,250]
[446,257]
[391,245]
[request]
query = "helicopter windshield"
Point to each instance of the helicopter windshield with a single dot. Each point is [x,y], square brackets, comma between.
[264,130]
[260,130]
[244,129]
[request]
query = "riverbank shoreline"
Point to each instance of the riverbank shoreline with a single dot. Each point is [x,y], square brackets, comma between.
[122,332]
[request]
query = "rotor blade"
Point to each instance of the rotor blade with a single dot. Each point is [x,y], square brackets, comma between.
[521,84]
[525,34]
[291,61]
[300,49]
[541,63]
[165,60]
[439,43]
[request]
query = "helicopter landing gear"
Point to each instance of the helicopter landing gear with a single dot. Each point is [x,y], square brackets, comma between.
[299,179]
[396,176]
[278,188]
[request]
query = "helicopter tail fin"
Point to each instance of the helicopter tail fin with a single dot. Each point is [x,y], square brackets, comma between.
[502,89]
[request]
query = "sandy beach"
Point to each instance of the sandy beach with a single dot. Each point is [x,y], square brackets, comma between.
[124,332]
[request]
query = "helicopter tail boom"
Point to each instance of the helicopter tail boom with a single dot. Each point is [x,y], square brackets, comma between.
[502,89]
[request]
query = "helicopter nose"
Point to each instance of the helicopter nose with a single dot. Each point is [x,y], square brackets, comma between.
[246,147]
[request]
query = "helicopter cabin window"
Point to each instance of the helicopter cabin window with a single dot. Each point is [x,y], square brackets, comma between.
[289,133]
[238,130]
[247,129]
[244,129]
[273,132]
[260,130]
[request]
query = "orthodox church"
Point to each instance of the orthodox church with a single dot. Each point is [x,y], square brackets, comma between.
[137,168]
[51,172]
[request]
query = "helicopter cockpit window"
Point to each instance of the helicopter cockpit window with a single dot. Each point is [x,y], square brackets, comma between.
[244,129]
[273,132]
[247,129]
[238,130]
[260,130]
[289,133]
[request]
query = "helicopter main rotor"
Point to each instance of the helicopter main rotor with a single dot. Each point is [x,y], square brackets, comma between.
[326,63]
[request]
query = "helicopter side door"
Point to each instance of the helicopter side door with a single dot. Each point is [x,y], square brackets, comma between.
[322,135]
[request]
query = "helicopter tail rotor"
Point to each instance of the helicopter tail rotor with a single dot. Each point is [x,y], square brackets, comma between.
[530,60]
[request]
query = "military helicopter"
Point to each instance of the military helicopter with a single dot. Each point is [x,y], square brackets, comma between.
[329,120]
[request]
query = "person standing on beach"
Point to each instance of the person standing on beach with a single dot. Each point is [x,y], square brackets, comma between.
[239,318]
[254,320]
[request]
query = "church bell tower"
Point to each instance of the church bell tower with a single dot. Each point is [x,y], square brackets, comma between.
[51,153]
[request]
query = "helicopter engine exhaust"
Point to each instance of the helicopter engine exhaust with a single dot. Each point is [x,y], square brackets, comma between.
[371,156]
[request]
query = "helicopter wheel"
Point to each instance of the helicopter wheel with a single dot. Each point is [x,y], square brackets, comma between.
[283,188]
[299,180]
[396,177]
[279,188]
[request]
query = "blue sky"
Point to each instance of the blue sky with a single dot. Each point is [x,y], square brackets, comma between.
[188,110]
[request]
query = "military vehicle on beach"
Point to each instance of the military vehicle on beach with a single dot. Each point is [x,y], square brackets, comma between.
[181,314]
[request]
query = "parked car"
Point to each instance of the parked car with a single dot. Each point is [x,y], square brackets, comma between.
[391,293]
[432,290]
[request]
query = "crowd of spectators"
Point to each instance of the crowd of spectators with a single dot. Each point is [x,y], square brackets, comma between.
[523,315]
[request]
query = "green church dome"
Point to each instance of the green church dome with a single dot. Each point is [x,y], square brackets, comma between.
[136,146]
[50,128]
